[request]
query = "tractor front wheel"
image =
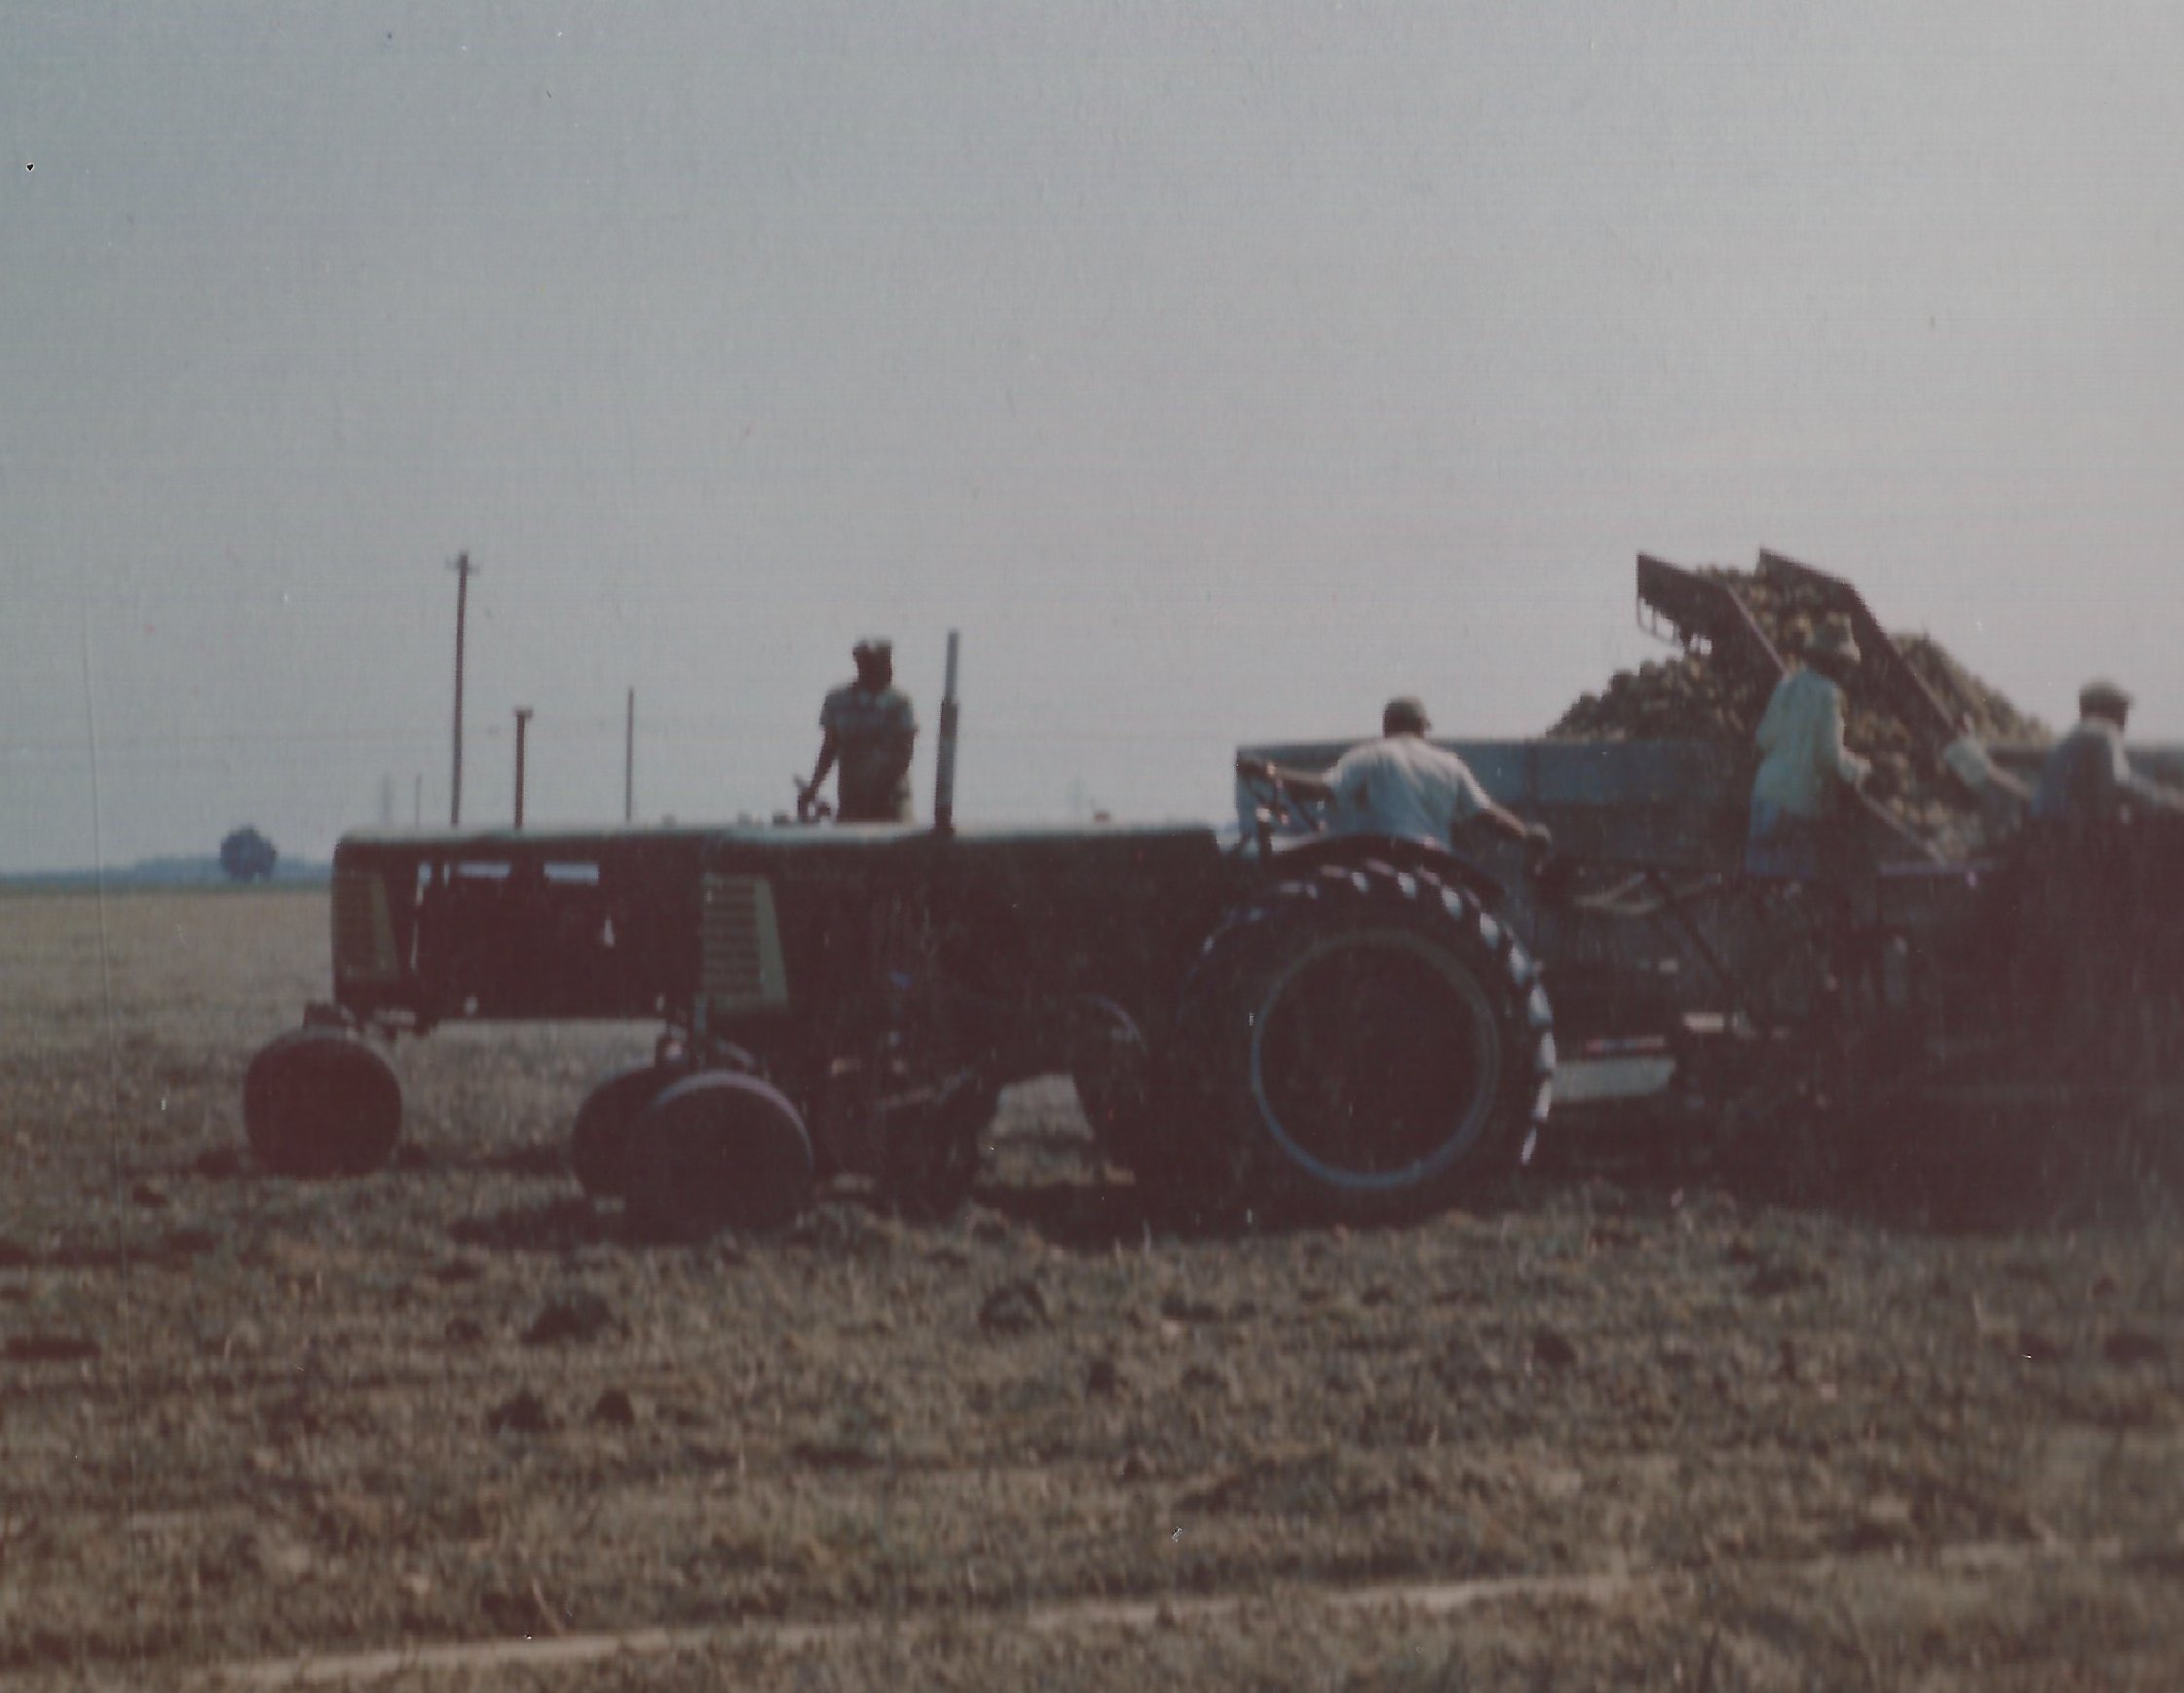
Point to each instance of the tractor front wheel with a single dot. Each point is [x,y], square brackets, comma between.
[599,1144]
[318,1103]
[717,1151]
[1362,1044]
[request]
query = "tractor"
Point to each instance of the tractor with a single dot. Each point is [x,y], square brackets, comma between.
[1273,1019]
[1338,1027]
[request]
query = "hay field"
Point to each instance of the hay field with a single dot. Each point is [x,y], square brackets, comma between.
[1584,1434]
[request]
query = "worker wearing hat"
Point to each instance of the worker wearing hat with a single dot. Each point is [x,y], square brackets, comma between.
[2087,778]
[1401,785]
[1804,767]
[868,726]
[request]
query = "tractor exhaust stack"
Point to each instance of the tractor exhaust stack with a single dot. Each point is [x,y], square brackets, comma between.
[944,773]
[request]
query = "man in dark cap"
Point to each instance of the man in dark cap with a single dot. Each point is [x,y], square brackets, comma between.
[2087,778]
[1402,785]
[869,729]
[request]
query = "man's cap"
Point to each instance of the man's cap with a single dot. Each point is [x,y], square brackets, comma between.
[1833,639]
[1403,712]
[873,647]
[2103,696]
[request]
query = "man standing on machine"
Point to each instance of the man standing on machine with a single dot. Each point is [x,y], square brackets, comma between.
[2088,779]
[1805,771]
[870,729]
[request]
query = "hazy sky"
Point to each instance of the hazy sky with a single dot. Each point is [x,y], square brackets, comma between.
[1217,370]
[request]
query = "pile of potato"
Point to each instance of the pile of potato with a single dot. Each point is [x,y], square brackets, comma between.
[1692,698]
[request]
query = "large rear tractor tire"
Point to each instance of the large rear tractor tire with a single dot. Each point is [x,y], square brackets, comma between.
[717,1151]
[599,1144]
[319,1102]
[1361,1044]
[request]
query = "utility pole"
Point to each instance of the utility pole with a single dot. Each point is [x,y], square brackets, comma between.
[522,723]
[464,570]
[630,761]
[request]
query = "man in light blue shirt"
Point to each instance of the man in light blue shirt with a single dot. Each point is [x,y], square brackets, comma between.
[1804,767]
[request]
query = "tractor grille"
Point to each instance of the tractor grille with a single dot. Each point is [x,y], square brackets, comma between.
[363,930]
[743,960]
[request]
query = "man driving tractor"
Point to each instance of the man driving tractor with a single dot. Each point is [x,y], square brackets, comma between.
[1401,785]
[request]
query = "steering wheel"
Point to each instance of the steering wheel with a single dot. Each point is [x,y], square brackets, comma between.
[1274,802]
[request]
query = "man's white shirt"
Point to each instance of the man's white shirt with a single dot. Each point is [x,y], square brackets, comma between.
[1403,786]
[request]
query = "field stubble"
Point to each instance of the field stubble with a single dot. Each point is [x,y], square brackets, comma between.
[243,1419]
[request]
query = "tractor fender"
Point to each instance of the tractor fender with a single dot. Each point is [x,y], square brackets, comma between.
[1398,852]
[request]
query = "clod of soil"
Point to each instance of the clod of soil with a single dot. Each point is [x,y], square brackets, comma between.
[1881,1523]
[219,1163]
[615,1410]
[50,1349]
[1210,1378]
[524,1412]
[578,1316]
[848,1453]
[1772,1280]
[2127,1348]
[1554,1350]
[1013,1308]
[188,1243]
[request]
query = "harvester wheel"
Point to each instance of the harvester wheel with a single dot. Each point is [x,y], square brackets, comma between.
[1362,1044]
[599,1142]
[319,1102]
[717,1151]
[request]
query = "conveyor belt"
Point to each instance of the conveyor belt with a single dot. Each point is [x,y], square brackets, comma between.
[1705,615]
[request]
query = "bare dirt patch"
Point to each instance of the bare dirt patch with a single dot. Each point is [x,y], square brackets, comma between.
[243,1420]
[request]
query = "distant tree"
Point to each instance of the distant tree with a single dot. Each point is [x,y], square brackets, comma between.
[247,856]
